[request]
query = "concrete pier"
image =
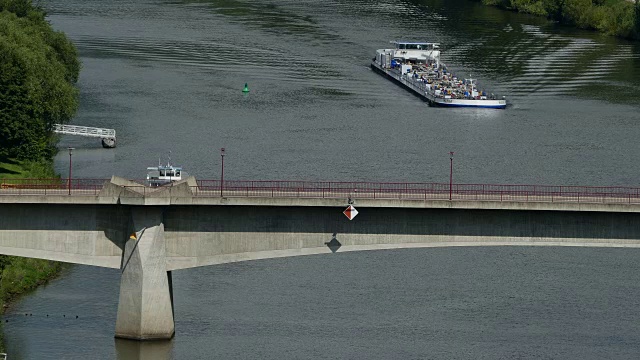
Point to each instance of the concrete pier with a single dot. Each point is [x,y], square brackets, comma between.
[145,308]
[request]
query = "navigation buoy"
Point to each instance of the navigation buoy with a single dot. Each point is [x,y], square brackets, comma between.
[246,88]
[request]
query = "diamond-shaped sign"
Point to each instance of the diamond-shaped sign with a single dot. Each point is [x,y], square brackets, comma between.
[350,212]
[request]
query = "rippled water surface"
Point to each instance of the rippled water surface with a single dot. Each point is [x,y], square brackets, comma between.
[168,75]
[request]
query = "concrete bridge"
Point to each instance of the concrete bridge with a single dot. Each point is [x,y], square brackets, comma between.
[150,232]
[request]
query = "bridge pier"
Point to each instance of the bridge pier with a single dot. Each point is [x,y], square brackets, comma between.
[145,307]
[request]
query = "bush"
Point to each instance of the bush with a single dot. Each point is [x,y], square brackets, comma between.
[614,17]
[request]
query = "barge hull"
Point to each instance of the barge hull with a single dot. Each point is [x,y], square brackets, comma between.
[457,103]
[466,103]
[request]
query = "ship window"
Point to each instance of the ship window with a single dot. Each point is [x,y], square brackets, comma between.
[170,173]
[401,46]
[161,172]
[178,173]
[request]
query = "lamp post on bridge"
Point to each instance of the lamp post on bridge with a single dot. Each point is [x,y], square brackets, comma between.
[451,175]
[70,153]
[222,171]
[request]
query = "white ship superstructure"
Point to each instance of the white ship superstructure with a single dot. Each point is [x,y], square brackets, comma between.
[164,174]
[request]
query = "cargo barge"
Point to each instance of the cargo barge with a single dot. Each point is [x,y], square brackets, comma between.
[417,67]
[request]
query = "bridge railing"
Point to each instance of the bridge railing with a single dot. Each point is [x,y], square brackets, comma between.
[51,186]
[418,191]
[346,190]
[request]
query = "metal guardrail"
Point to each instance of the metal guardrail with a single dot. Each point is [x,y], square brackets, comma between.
[409,81]
[355,190]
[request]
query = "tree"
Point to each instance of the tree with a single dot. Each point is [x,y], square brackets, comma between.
[38,70]
[637,19]
[577,12]
[614,17]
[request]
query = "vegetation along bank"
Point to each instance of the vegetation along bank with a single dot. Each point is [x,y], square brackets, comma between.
[39,68]
[613,17]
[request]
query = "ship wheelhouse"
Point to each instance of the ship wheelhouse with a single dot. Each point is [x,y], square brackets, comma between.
[416,52]
[161,175]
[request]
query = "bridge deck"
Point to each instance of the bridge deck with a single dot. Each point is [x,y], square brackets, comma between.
[346,190]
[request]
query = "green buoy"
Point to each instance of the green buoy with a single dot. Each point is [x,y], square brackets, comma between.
[246,88]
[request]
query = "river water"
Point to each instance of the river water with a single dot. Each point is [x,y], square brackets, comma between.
[168,75]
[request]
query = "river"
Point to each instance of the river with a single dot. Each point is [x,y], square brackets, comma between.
[168,75]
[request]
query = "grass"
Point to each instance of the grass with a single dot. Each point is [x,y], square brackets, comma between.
[15,169]
[20,275]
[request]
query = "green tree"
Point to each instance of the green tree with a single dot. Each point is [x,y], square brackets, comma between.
[577,12]
[637,19]
[614,17]
[38,72]
[21,8]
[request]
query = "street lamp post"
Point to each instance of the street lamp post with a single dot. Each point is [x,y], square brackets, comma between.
[70,153]
[451,175]
[222,171]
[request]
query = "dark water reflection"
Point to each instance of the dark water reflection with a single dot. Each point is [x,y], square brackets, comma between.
[153,350]
[167,75]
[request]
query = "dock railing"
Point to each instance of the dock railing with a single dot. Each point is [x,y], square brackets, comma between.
[84,131]
[345,190]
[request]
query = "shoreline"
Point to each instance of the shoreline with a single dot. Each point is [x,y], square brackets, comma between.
[40,272]
[618,18]
[46,270]
[28,147]
[20,276]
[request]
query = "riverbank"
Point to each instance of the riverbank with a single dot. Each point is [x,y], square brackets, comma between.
[39,70]
[19,276]
[620,18]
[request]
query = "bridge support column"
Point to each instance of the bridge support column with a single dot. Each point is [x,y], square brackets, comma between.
[145,308]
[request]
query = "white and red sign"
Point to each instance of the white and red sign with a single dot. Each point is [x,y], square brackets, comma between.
[350,212]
